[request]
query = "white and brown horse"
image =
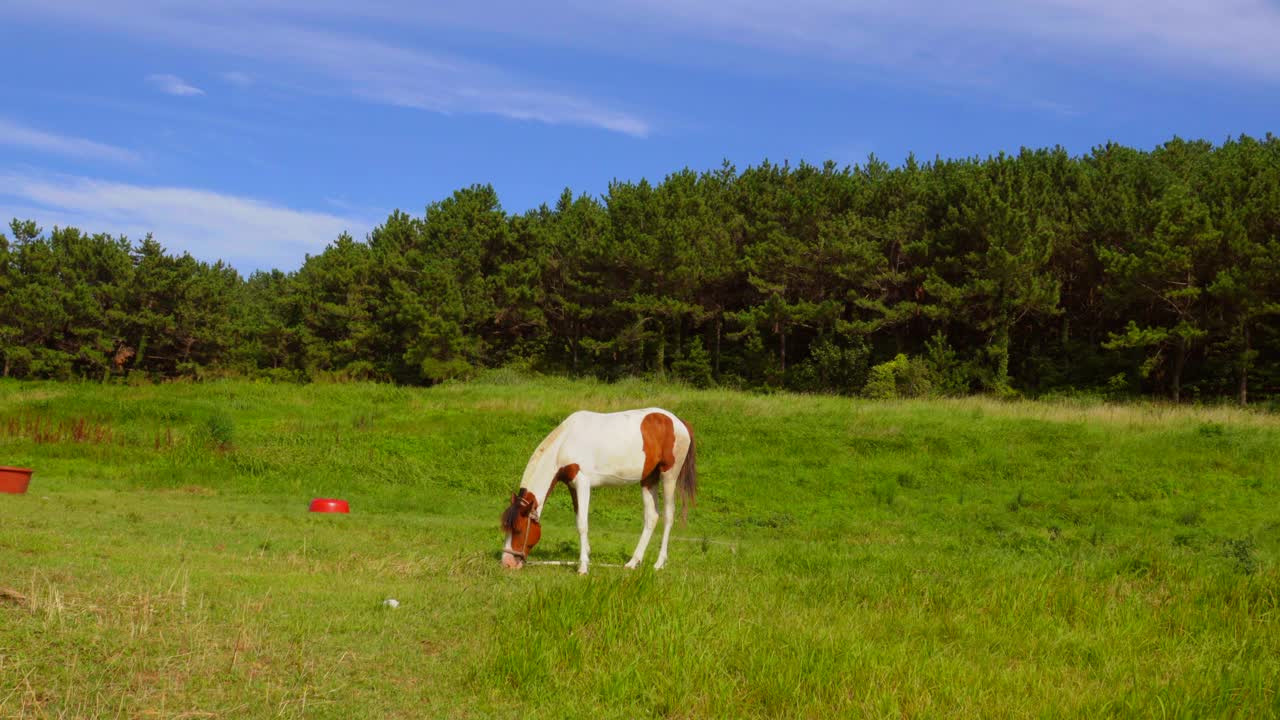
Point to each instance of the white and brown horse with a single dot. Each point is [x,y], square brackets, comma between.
[651,447]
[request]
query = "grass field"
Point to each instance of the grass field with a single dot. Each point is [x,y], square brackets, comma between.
[965,558]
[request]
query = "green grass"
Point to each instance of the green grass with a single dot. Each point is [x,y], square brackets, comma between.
[965,558]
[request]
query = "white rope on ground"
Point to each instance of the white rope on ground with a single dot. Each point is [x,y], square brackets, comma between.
[733,548]
[569,562]
[732,545]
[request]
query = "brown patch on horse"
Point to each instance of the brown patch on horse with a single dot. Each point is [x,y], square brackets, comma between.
[566,475]
[658,434]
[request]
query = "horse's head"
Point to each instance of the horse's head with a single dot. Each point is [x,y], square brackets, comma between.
[520,522]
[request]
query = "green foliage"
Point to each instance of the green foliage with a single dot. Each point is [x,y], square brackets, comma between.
[901,377]
[220,430]
[832,368]
[694,365]
[1026,273]
[1118,386]
[950,376]
[1241,552]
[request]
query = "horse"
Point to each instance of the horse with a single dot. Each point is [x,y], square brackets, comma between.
[589,450]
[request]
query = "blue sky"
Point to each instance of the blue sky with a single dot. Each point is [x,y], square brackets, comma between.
[257,130]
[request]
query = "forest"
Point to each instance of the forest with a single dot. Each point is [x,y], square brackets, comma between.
[1118,273]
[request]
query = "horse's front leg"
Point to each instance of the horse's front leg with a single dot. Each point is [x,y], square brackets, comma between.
[583,491]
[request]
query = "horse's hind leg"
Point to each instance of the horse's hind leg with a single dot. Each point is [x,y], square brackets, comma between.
[668,514]
[649,492]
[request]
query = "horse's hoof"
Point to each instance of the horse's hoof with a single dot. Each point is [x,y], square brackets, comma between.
[632,564]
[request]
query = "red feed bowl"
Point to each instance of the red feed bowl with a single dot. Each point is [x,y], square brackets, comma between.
[330,505]
[14,479]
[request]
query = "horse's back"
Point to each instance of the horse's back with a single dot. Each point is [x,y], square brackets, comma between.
[610,446]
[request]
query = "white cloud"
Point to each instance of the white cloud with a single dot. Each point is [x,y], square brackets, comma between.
[1227,34]
[399,76]
[248,233]
[330,57]
[338,46]
[173,85]
[237,78]
[14,135]
[1182,34]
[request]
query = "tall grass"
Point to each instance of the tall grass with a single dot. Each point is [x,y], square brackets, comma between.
[847,558]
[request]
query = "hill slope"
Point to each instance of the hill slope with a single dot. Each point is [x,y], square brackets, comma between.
[941,558]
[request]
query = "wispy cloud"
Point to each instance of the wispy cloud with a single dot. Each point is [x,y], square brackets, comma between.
[237,78]
[316,47]
[19,136]
[942,35]
[173,85]
[249,233]
[337,46]
[1056,108]
[901,34]
[390,74]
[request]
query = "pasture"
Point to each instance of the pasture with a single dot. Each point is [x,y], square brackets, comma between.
[949,558]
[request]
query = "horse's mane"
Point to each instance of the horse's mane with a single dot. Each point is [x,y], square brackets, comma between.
[547,445]
[542,449]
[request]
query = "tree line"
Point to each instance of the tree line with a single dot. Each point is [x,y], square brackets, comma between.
[1121,272]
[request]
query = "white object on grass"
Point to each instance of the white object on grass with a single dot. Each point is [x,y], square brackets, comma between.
[568,562]
[391,603]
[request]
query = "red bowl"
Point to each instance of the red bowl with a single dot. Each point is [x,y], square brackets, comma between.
[332,505]
[14,479]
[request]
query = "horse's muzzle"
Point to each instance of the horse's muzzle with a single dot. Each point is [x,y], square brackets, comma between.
[511,561]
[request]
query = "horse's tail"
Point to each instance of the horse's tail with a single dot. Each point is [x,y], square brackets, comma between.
[688,481]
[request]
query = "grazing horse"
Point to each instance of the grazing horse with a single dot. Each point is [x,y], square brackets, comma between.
[588,450]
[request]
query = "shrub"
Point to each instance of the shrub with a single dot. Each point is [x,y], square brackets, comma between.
[901,377]
[694,365]
[1118,386]
[951,376]
[1189,517]
[221,431]
[832,368]
[1241,553]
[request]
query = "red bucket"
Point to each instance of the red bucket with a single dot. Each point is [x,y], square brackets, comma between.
[330,505]
[14,479]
